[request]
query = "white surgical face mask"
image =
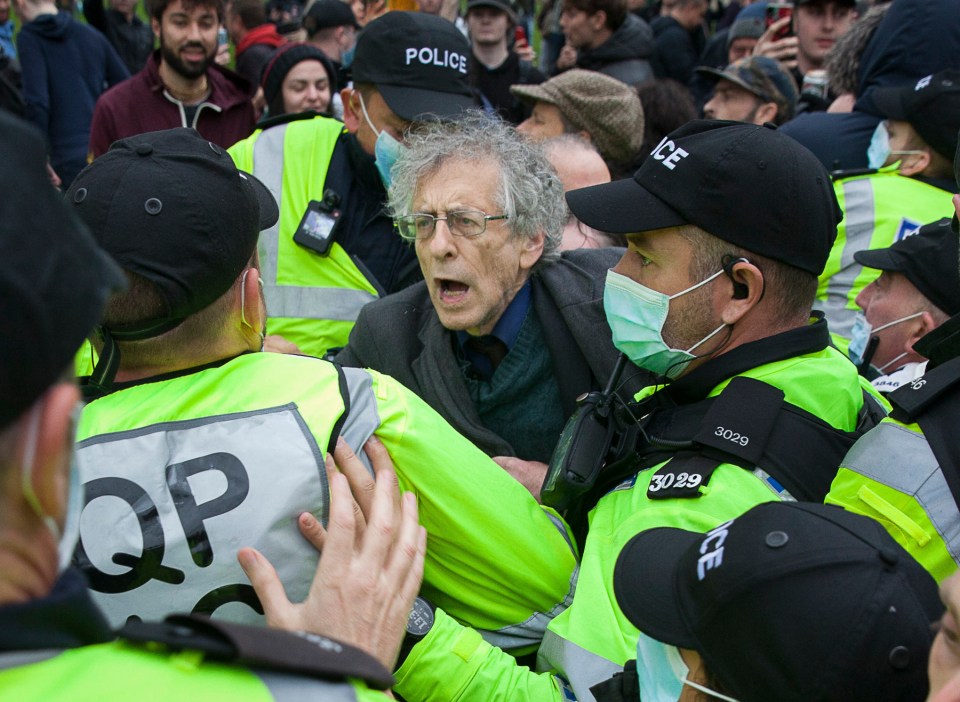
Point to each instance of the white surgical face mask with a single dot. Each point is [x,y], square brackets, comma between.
[386,151]
[661,673]
[637,314]
[68,538]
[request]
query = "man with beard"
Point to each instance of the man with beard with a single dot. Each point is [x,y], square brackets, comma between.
[181,85]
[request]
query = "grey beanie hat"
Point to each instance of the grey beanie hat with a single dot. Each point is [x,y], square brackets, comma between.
[606,108]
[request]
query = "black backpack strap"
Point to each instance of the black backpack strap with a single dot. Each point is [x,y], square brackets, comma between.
[736,429]
[261,647]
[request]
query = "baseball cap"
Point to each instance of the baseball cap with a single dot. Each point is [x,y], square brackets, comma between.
[172,207]
[324,14]
[751,186]
[928,259]
[504,5]
[789,601]
[609,110]
[931,106]
[54,280]
[762,76]
[418,63]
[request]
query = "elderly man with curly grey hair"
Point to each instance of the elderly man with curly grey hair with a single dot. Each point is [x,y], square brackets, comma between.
[505,331]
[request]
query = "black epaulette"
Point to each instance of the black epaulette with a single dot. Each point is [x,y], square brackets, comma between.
[912,400]
[259,647]
[852,173]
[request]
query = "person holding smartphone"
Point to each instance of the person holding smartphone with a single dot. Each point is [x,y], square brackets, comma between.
[801,39]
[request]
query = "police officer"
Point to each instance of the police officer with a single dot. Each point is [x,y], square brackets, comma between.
[407,66]
[752,404]
[906,472]
[908,184]
[789,602]
[198,443]
[917,291]
[55,644]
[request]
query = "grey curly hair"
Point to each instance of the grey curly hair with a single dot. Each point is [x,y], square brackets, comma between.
[530,191]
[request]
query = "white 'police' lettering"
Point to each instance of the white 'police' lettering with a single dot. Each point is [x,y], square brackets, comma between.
[671,159]
[428,56]
[712,559]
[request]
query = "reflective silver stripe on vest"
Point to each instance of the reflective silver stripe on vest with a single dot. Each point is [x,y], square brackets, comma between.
[858,218]
[295,688]
[534,629]
[21,658]
[363,419]
[901,459]
[339,304]
[560,526]
[578,665]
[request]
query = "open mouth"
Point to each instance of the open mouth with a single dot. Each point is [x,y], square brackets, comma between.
[451,291]
[193,54]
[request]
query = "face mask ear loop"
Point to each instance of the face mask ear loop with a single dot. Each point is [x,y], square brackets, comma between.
[708,691]
[363,109]
[243,306]
[886,365]
[29,457]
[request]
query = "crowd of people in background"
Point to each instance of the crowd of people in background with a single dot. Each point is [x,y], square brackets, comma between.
[549,350]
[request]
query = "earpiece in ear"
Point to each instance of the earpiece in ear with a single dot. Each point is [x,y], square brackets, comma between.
[740,290]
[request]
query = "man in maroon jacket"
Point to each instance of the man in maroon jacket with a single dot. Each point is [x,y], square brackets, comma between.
[181,85]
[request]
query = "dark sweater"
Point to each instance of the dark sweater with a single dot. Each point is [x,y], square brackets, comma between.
[677,50]
[625,56]
[66,65]
[133,40]
[531,422]
[494,84]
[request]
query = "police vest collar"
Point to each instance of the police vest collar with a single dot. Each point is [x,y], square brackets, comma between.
[697,384]
[941,344]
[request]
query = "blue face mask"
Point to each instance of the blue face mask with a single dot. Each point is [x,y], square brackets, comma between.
[636,315]
[879,150]
[661,673]
[660,670]
[386,151]
[860,338]
[346,59]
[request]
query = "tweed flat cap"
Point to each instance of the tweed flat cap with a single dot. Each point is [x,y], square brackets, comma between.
[606,108]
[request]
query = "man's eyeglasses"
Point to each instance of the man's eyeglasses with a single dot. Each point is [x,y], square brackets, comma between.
[465,223]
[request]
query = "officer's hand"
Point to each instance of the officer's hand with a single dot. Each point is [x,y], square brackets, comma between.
[358,475]
[783,50]
[274,343]
[364,586]
[530,474]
